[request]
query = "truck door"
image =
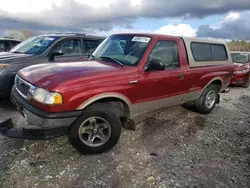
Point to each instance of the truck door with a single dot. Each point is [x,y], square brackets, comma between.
[163,88]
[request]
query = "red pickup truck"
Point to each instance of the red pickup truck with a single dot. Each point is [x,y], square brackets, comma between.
[125,77]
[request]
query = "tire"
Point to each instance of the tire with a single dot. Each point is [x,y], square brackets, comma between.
[201,103]
[246,85]
[11,98]
[92,117]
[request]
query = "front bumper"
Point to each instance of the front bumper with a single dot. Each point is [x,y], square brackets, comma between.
[8,129]
[49,125]
[240,79]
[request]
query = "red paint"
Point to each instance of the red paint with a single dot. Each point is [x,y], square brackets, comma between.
[80,81]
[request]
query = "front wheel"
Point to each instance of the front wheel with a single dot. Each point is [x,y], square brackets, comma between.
[246,85]
[96,131]
[208,99]
[11,98]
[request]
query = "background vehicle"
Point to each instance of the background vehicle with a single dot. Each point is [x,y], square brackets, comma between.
[6,44]
[129,75]
[60,47]
[241,68]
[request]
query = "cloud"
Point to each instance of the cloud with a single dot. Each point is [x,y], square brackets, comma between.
[184,30]
[232,16]
[177,30]
[234,26]
[105,15]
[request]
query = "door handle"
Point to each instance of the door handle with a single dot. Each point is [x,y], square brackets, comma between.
[180,76]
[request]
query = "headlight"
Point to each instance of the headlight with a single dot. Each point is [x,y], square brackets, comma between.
[242,71]
[238,72]
[53,98]
[3,66]
[46,97]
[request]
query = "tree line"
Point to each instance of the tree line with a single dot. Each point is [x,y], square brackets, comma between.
[20,35]
[234,45]
[239,45]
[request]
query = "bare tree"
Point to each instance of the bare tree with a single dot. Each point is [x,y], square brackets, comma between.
[236,45]
[20,35]
[26,33]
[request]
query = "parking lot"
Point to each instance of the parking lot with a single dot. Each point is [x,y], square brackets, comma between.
[174,148]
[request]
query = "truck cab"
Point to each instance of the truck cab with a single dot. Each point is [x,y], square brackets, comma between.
[126,76]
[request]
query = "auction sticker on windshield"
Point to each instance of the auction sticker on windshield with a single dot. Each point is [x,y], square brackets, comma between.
[49,38]
[141,39]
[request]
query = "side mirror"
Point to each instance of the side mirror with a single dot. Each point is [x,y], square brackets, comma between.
[155,64]
[55,53]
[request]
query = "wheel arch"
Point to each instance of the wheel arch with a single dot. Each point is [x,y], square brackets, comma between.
[217,81]
[118,99]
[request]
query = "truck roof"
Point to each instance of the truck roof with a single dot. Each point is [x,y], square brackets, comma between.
[71,34]
[141,34]
[9,39]
[164,35]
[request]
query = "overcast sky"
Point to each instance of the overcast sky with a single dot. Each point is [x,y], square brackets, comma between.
[224,19]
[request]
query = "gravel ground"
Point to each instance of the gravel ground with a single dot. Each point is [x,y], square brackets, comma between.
[173,148]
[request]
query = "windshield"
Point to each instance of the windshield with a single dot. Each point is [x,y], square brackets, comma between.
[125,49]
[35,45]
[240,57]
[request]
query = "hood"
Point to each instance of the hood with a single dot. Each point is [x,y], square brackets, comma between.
[51,75]
[241,66]
[8,57]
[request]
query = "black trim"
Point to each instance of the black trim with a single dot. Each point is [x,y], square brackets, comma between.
[6,129]
[23,103]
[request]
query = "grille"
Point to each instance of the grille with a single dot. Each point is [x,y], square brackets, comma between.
[22,86]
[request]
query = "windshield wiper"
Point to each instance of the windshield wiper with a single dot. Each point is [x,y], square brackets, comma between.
[112,59]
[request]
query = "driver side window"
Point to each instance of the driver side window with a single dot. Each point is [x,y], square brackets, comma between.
[70,47]
[167,52]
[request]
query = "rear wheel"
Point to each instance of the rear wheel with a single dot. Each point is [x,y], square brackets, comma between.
[96,131]
[208,99]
